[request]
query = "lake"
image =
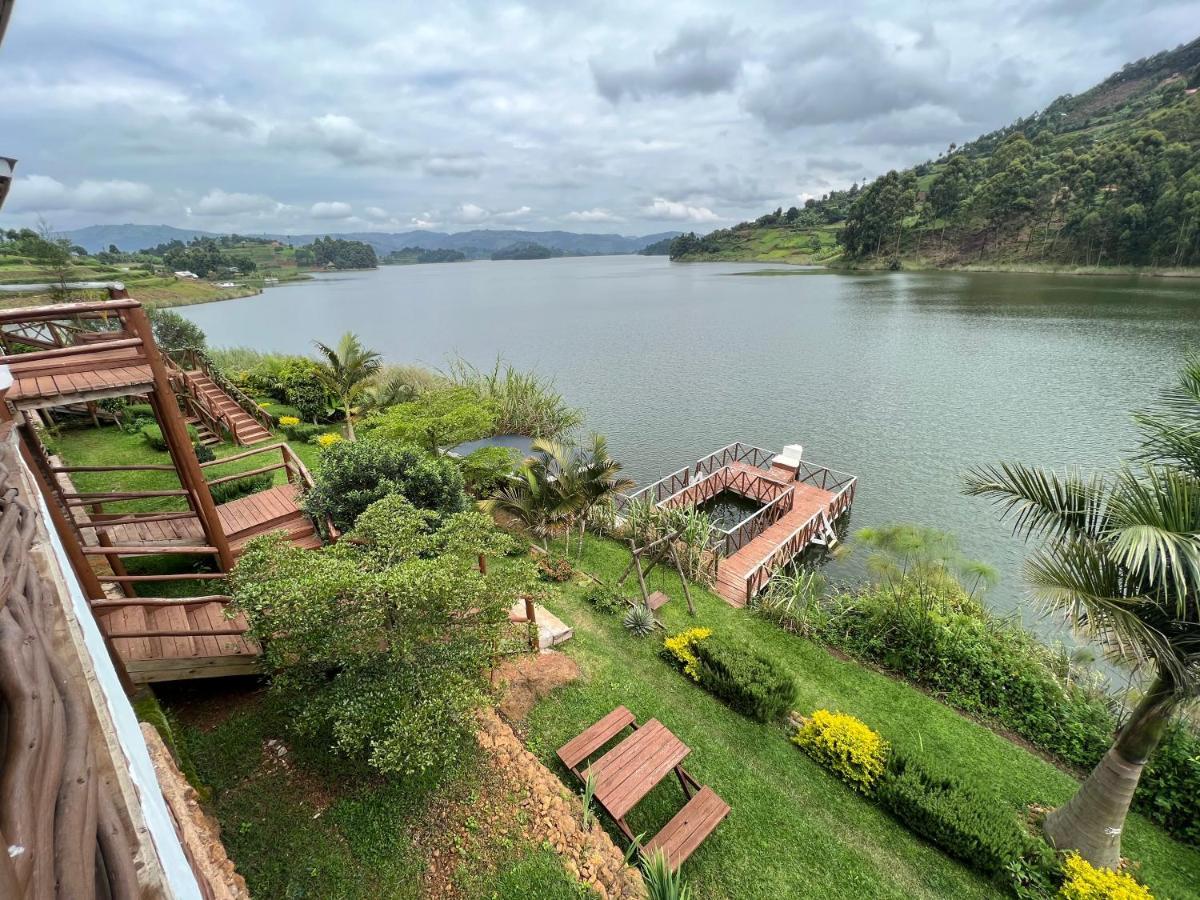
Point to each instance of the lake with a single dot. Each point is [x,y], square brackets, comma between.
[905,379]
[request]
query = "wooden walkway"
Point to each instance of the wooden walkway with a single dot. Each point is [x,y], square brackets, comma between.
[771,548]
[207,397]
[798,504]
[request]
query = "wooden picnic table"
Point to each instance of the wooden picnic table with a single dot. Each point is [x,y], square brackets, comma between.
[629,771]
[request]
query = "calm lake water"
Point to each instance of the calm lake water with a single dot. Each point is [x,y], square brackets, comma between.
[903,379]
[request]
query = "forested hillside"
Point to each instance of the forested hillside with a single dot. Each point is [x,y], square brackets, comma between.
[1110,177]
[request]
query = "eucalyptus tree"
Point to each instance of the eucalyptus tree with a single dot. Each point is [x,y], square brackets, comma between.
[346,371]
[1120,556]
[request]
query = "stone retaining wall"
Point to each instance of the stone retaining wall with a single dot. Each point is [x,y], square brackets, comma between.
[555,815]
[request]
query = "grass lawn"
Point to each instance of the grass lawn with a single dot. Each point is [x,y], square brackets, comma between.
[796,831]
[300,823]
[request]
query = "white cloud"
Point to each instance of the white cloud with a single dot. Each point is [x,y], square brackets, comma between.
[592,215]
[672,211]
[331,209]
[376,212]
[341,137]
[41,193]
[471,213]
[454,166]
[220,203]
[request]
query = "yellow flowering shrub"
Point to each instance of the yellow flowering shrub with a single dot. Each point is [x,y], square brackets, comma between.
[682,647]
[846,746]
[1085,882]
[329,439]
[285,421]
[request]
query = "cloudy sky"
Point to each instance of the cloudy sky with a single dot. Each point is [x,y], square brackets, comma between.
[265,115]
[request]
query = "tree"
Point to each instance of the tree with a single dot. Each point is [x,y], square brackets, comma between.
[1121,558]
[346,372]
[439,418]
[600,480]
[173,332]
[383,642]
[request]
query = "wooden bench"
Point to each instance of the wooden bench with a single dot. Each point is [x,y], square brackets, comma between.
[578,749]
[690,826]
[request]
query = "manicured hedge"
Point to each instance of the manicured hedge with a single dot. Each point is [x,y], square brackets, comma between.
[979,830]
[153,436]
[749,681]
[232,490]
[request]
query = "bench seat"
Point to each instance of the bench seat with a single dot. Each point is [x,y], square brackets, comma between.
[578,749]
[690,826]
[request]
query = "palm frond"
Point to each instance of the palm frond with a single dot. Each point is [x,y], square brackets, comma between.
[1171,426]
[1041,502]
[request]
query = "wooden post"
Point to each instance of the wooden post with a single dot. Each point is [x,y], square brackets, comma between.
[687,594]
[114,561]
[482,564]
[637,567]
[166,409]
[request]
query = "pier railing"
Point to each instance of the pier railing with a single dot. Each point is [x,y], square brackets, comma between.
[735,452]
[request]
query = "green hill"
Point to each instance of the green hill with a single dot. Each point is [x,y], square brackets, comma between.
[1109,177]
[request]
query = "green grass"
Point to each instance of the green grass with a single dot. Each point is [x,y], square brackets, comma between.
[306,824]
[779,244]
[795,831]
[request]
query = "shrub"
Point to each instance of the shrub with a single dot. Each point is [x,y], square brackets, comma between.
[606,598]
[139,410]
[173,332]
[639,620]
[979,830]
[523,402]
[437,419]
[681,649]
[351,475]
[552,569]
[749,681]
[381,645]
[153,435]
[486,469]
[288,421]
[241,487]
[328,439]
[303,432]
[1084,881]
[203,453]
[846,746]
[300,381]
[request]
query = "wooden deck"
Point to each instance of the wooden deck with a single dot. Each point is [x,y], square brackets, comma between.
[95,375]
[808,501]
[798,504]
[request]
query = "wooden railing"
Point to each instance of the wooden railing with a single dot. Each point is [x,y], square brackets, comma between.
[735,452]
[659,491]
[297,473]
[751,527]
[196,358]
[820,523]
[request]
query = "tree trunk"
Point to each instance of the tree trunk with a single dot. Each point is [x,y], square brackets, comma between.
[1091,821]
[349,423]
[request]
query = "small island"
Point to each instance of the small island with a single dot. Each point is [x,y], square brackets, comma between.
[527,250]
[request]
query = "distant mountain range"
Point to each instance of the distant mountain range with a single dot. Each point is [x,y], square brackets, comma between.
[477,244]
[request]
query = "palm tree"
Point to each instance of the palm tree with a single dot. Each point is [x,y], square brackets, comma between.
[528,499]
[346,372]
[599,480]
[1121,558]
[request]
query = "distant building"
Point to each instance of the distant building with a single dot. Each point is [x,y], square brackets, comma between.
[186,274]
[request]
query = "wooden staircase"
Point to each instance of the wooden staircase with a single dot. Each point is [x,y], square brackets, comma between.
[207,437]
[244,428]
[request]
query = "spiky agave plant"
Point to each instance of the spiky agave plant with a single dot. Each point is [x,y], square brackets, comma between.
[640,621]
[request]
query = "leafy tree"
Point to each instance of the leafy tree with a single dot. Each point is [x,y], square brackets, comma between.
[1121,558]
[437,419]
[346,372]
[351,475]
[173,332]
[383,642]
[302,383]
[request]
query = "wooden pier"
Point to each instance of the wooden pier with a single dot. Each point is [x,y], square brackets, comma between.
[799,504]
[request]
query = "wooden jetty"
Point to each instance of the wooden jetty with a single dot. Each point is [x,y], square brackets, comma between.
[798,506]
[74,355]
